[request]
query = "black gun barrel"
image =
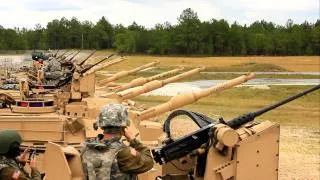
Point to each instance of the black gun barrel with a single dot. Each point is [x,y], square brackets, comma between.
[83,61]
[91,66]
[62,54]
[245,118]
[75,55]
[55,55]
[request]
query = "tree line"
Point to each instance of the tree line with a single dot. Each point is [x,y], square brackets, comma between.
[189,36]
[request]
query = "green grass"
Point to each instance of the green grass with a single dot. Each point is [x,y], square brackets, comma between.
[250,66]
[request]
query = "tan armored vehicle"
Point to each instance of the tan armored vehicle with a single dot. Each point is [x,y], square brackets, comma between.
[219,150]
[65,115]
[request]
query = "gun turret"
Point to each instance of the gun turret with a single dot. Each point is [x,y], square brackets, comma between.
[202,137]
[122,74]
[185,99]
[150,86]
[140,81]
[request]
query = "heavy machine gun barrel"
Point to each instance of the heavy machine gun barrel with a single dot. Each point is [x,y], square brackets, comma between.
[83,61]
[189,143]
[69,54]
[61,55]
[92,65]
[55,54]
[74,55]
[245,118]
[101,66]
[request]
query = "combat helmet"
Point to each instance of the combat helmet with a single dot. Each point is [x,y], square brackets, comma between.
[7,138]
[113,115]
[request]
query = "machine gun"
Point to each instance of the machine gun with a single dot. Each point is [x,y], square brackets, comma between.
[55,54]
[92,65]
[62,54]
[84,60]
[74,55]
[209,131]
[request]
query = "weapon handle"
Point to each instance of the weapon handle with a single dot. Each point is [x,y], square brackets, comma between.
[182,146]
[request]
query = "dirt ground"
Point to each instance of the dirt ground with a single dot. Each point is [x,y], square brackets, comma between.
[299,153]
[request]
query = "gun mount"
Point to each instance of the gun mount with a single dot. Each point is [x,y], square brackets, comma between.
[64,55]
[226,149]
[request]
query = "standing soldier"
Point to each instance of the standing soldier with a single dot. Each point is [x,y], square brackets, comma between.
[11,162]
[107,157]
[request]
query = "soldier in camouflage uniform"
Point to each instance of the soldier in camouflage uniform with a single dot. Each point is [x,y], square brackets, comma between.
[106,157]
[11,162]
[52,69]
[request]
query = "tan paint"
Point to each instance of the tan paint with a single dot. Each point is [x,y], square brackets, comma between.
[140,81]
[122,74]
[77,108]
[184,99]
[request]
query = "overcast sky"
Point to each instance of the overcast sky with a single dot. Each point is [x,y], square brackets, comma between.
[27,13]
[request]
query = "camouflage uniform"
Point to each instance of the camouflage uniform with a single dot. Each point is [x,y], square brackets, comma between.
[105,159]
[8,164]
[52,69]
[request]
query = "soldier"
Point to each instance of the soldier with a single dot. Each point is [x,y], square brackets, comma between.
[52,69]
[11,162]
[107,157]
[37,65]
